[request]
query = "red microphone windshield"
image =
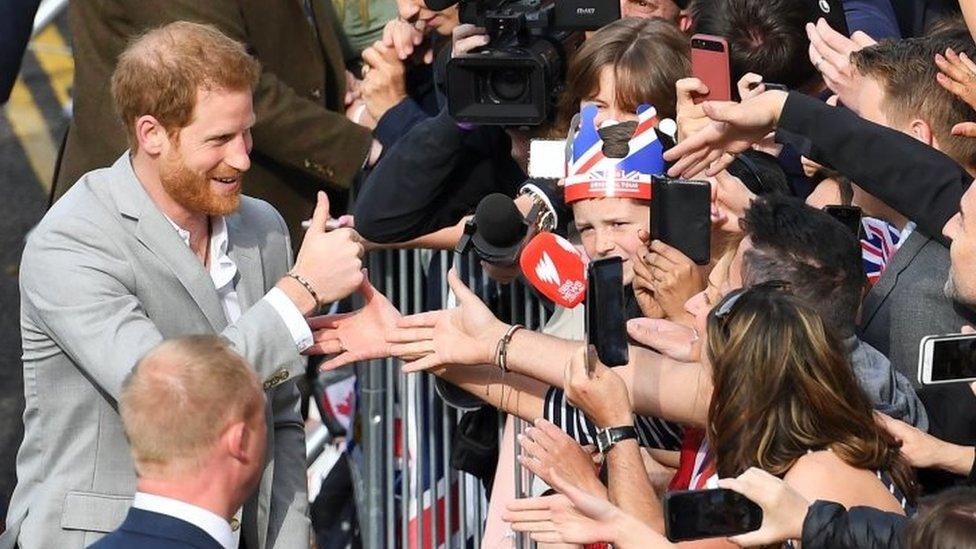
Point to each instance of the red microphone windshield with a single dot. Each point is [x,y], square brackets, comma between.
[555,268]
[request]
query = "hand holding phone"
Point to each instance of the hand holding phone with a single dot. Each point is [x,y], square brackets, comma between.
[681,216]
[698,514]
[710,63]
[947,359]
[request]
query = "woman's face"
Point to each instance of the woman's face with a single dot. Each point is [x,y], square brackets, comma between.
[609,226]
[730,200]
[605,100]
[725,277]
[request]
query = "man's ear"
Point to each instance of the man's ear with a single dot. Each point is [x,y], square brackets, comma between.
[236,438]
[151,135]
[922,131]
[684,21]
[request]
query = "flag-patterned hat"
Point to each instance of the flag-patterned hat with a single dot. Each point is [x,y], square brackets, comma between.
[590,174]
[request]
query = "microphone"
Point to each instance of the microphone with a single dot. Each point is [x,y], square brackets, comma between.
[555,268]
[496,231]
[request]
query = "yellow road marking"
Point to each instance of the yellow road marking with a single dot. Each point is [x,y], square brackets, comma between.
[55,58]
[28,124]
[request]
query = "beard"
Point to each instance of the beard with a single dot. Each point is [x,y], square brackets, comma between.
[193,191]
[953,292]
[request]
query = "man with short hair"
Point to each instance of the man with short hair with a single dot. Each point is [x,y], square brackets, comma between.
[159,245]
[675,11]
[202,459]
[899,90]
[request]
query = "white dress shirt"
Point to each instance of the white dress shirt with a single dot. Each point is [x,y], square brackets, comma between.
[214,525]
[223,272]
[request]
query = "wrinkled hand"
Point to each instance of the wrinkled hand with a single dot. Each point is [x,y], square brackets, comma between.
[959,77]
[465,335]
[575,516]
[358,113]
[830,52]
[675,279]
[669,338]
[359,335]
[406,38]
[602,395]
[467,37]
[330,261]
[546,448]
[689,115]
[385,82]
[784,509]
[734,127]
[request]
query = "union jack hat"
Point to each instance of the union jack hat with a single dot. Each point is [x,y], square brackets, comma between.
[590,174]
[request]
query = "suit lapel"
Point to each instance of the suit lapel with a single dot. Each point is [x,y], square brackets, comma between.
[243,249]
[156,233]
[331,48]
[903,258]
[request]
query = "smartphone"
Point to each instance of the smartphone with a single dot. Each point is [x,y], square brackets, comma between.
[606,323]
[769,86]
[832,11]
[698,514]
[710,63]
[947,359]
[850,216]
[681,216]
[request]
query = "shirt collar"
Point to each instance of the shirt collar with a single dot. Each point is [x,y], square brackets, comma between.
[222,267]
[215,526]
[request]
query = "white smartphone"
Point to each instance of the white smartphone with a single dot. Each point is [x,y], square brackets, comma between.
[947,359]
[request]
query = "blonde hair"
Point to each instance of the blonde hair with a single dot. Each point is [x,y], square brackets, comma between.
[180,398]
[160,72]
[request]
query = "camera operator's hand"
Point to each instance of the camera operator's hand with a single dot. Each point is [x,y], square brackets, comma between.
[467,37]
[576,516]
[784,509]
[958,75]
[830,52]
[359,335]
[669,338]
[546,448]
[602,395]
[331,262]
[406,38]
[734,127]
[675,279]
[689,115]
[464,335]
[384,79]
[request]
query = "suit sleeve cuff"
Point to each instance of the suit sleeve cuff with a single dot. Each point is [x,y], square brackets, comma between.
[301,334]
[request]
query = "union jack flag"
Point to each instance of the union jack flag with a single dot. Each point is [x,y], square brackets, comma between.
[879,244]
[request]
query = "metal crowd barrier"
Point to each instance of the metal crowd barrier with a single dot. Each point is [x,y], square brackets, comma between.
[409,496]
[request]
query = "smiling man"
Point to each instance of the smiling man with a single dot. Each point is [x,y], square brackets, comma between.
[160,245]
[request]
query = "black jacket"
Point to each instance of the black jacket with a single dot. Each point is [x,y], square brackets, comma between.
[432,177]
[916,180]
[829,526]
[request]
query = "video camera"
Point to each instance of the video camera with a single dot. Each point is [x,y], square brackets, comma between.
[517,78]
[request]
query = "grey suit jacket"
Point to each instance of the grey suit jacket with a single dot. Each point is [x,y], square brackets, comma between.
[908,303]
[104,278]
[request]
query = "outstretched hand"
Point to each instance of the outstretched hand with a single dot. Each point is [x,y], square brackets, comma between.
[465,335]
[958,75]
[734,127]
[546,448]
[359,335]
[784,509]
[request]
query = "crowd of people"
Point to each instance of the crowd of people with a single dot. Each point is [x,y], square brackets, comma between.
[172,296]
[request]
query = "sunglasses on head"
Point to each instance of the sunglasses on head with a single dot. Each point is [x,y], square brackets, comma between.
[726,309]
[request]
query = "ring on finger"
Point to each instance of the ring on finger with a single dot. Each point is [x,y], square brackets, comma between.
[364,70]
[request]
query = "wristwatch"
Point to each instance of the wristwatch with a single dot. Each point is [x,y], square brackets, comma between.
[608,438]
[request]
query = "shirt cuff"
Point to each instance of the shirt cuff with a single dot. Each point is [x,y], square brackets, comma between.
[292,317]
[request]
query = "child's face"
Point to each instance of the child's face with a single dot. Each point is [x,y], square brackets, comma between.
[609,226]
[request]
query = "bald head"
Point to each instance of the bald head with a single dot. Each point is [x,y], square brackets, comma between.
[180,398]
[161,71]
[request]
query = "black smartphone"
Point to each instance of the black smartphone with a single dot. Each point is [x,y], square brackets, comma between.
[769,86]
[850,216]
[832,11]
[681,216]
[698,514]
[606,323]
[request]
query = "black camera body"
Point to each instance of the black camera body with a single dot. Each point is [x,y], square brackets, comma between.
[517,78]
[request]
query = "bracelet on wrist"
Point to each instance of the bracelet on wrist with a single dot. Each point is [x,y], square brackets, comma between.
[307,285]
[501,350]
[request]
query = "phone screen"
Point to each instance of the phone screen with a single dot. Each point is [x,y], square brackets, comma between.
[850,216]
[606,325]
[697,514]
[953,359]
[710,64]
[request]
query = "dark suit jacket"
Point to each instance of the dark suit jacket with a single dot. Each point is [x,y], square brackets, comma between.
[301,143]
[16,18]
[148,530]
[908,303]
